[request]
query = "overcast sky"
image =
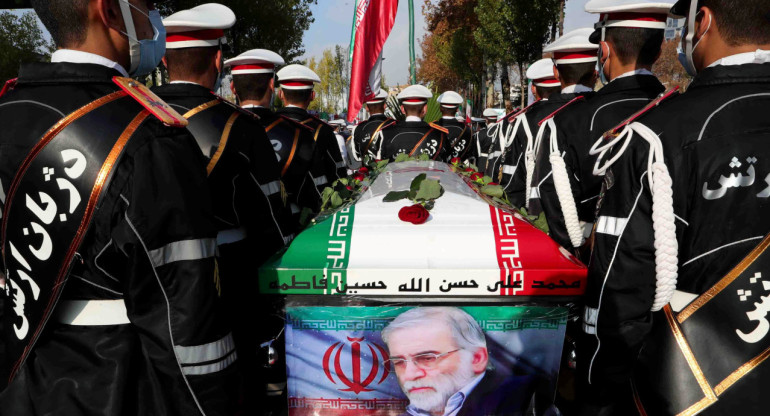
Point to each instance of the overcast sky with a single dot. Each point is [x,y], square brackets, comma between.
[333,20]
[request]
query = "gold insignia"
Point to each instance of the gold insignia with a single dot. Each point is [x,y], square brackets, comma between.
[150,101]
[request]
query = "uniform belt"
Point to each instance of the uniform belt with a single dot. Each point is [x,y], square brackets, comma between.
[232,235]
[92,312]
[681,299]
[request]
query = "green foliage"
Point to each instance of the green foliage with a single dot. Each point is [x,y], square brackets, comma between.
[422,191]
[277,25]
[514,31]
[538,221]
[433,111]
[395,109]
[21,40]
[334,72]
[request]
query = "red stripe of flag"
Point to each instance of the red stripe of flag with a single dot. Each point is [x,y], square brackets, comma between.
[372,29]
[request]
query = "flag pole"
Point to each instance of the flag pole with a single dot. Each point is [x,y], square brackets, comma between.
[412,69]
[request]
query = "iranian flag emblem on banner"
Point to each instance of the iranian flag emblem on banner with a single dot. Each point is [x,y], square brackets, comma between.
[374,20]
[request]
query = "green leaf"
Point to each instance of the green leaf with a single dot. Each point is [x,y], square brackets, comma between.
[415,186]
[493,190]
[541,223]
[472,166]
[424,157]
[401,157]
[395,196]
[305,216]
[382,163]
[486,179]
[429,189]
[336,200]
[344,181]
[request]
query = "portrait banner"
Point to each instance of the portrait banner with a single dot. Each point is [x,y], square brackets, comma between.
[336,358]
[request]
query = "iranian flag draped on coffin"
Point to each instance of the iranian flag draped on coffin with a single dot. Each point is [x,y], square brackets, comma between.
[469,247]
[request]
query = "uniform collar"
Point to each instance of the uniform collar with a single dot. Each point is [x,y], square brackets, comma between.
[757,57]
[575,89]
[642,71]
[184,82]
[749,73]
[448,118]
[633,82]
[80,57]
[252,106]
[413,118]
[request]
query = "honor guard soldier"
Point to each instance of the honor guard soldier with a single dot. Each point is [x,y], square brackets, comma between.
[339,126]
[253,74]
[252,219]
[296,94]
[574,58]
[629,34]
[513,173]
[677,297]
[363,136]
[485,138]
[460,137]
[108,238]
[412,136]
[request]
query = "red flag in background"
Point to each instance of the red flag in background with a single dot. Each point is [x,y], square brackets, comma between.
[374,20]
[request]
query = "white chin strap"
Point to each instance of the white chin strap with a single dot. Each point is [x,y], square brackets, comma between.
[663,222]
[133,40]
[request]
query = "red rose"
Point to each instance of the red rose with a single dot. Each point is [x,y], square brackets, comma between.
[416,214]
[363,170]
[477,176]
[493,183]
[469,170]
[358,176]
[455,161]
[348,187]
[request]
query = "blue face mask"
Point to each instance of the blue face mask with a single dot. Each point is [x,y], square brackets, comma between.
[145,53]
[602,76]
[686,63]
[687,59]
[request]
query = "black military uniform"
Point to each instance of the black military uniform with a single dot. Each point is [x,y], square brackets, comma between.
[485,140]
[515,184]
[715,142]
[577,130]
[460,138]
[363,136]
[243,174]
[326,148]
[150,246]
[413,138]
[294,146]
[542,170]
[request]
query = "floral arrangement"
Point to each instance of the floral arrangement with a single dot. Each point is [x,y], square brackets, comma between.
[423,192]
[485,186]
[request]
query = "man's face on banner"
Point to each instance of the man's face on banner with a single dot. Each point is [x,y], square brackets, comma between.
[429,365]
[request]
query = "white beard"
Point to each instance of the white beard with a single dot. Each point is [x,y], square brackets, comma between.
[445,385]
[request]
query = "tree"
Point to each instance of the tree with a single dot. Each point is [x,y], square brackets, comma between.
[21,40]
[451,59]
[668,69]
[277,25]
[514,32]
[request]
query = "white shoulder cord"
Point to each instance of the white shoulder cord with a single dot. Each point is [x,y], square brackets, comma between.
[376,141]
[529,160]
[663,223]
[564,190]
[353,150]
